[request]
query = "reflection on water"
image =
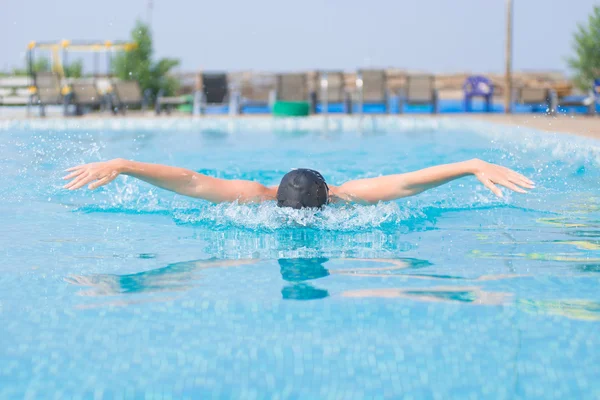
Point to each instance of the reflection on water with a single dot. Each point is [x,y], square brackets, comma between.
[574,309]
[306,279]
[589,267]
[584,233]
[563,257]
[299,275]
[447,294]
[179,276]
[297,271]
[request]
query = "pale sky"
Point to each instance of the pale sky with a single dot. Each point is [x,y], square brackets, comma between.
[284,35]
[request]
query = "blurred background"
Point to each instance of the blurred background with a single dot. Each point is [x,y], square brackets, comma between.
[451,40]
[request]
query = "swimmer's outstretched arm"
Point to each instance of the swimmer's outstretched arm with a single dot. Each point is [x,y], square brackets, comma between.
[179,180]
[392,187]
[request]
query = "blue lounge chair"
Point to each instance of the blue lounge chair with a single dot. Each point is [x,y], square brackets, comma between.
[537,98]
[215,96]
[478,86]
[371,92]
[586,103]
[257,93]
[330,94]
[420,90]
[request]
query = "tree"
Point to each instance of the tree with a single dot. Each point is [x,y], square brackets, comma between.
[41,64]
[137,64]
[586,61]
[74,69]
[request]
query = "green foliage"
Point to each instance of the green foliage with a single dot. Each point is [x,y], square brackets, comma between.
[41,64]
[137,64]
[586,61]
[19,72]
[74,69]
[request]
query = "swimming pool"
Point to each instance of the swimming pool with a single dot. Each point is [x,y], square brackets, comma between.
[134,292]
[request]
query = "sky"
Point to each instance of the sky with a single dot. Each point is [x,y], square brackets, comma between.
[286,35]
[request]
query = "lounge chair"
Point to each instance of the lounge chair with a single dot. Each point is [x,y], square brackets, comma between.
[371,89]
[168,103]
[215,94]
[585,101]
[292,87]
[126,94]
[257,92]
[47,91]
[85,94]
[292,95]
[14,90]
[331,92]
[536,98]
[478,86]
[588,102]
[420,90]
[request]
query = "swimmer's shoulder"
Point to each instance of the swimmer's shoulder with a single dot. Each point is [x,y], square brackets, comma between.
[336,195]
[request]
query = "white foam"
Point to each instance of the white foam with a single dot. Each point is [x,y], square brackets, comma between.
[270,217]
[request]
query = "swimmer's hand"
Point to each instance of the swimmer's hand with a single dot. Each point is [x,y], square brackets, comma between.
[491,175]
[95,174]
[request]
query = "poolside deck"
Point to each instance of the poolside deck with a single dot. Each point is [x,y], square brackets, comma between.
[578,125]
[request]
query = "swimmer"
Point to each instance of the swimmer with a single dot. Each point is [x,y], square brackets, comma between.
[299,188]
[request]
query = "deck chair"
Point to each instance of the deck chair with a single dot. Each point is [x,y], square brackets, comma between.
[478,86]
[331,91]
[292,87]
[420,90]
[14,90]
[215,93]
[257,92]
[48,90]
[168,103]
[371,89]
[126,94]
[536,97]
[85,94]
[586,101]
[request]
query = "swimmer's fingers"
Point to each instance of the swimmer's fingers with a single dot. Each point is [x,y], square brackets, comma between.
[71,185]
[522,183]
[74,174]
[101,182]
[515,176]
[520,179]
[75,168]
[82,182]
[490,185]
[508,184]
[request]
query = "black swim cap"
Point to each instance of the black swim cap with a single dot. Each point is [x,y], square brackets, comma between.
[302,188]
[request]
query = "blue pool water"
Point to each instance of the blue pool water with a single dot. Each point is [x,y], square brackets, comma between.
[134,292]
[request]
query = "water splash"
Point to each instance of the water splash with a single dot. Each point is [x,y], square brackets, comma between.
[269,216]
